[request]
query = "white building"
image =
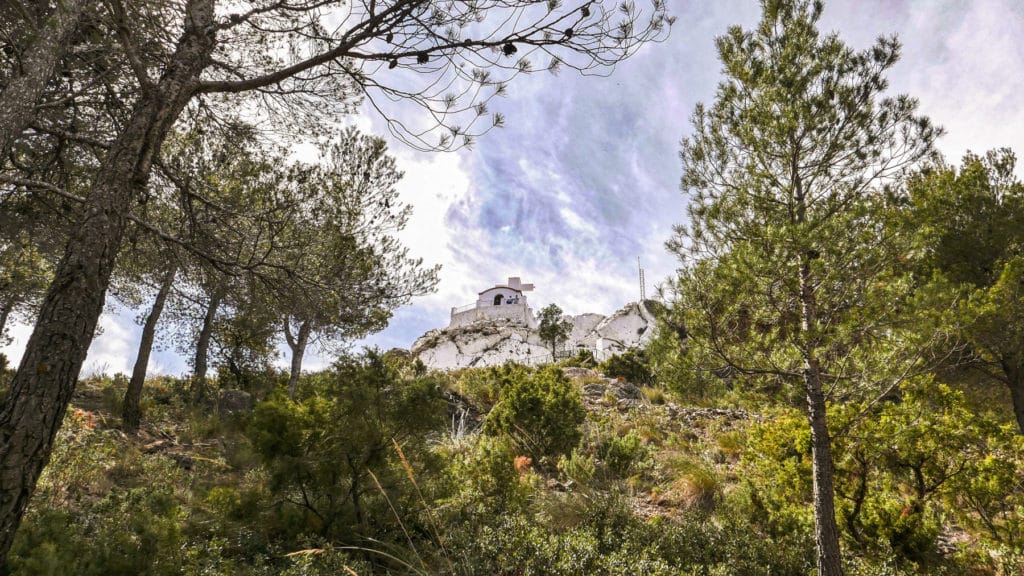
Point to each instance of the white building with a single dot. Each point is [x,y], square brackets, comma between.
[504,301]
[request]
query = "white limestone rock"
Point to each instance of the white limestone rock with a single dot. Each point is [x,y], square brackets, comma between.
[492,342]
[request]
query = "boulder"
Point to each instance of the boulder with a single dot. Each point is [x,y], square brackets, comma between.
[231,401]
[625,391]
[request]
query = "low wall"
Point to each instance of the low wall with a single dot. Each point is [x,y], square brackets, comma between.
[515,312]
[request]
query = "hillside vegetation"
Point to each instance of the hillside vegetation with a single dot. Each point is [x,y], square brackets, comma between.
[378,467]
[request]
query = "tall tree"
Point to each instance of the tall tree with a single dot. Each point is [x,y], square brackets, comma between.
[968,228]
[306,52]
[785,263]
[130,412]
[350,269]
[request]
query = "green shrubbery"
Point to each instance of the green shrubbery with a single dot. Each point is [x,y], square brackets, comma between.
[332,455]
[540,412]
[631,365]
[543,488]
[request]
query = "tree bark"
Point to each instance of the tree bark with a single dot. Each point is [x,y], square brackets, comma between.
[826,532]
[24,89]
[203,346]
[42,387]
[298,346]
[5,313]
[1014,372]
[130,413]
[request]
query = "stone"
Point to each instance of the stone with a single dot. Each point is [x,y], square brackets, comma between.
[625,391]
[577,372]
[231,401]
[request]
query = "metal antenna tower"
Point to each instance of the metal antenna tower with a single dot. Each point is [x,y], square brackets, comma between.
[643,287]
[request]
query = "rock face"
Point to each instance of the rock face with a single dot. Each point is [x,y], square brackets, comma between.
[496,341]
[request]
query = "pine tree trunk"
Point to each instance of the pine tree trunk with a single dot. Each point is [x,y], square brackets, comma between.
[24,89]
[826,532]
[130,413]
[298,346]
[42,387]
[1014,372]
[5,313]
[203,347]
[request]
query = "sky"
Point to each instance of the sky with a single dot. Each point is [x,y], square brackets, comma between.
[584,177]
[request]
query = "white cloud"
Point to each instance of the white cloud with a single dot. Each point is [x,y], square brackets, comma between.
[115,349]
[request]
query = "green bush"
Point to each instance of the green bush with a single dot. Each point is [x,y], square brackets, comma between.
[582,359]
[577,467]
[621,453]
[483,386]
[126,534]
[631,365]
[602,536]
[331,454]
[486,479]
[540,412]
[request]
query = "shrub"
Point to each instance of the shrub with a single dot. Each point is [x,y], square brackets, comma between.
[631,365]
[540,412]
[127,533]
[621,453]
[320,449]
[653,395]
[483,386]
[487,479]
[583,359]
[577,467]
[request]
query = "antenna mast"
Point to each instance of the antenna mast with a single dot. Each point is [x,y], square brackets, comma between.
[643,288]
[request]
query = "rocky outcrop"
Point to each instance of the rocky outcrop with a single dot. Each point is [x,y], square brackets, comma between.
[496,341]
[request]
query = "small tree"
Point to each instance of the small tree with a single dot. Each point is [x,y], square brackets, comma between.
[353,271]
[554,329]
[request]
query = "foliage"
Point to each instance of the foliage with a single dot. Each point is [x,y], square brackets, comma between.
[966,221]
[621,453]
[483,387]
[486,479]
[583,359]
[211,502]
[967,227]
[678,370]
[539,412]
[553,328]
[923,460]
[601,536]
[577,467]
[327,451]
[24,275]
[343,247]
[632,365]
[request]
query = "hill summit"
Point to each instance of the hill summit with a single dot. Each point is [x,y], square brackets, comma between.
[494,341]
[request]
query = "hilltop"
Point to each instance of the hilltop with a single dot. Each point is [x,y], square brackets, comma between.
[495,341]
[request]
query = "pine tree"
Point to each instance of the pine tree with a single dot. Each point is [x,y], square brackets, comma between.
[784,280]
